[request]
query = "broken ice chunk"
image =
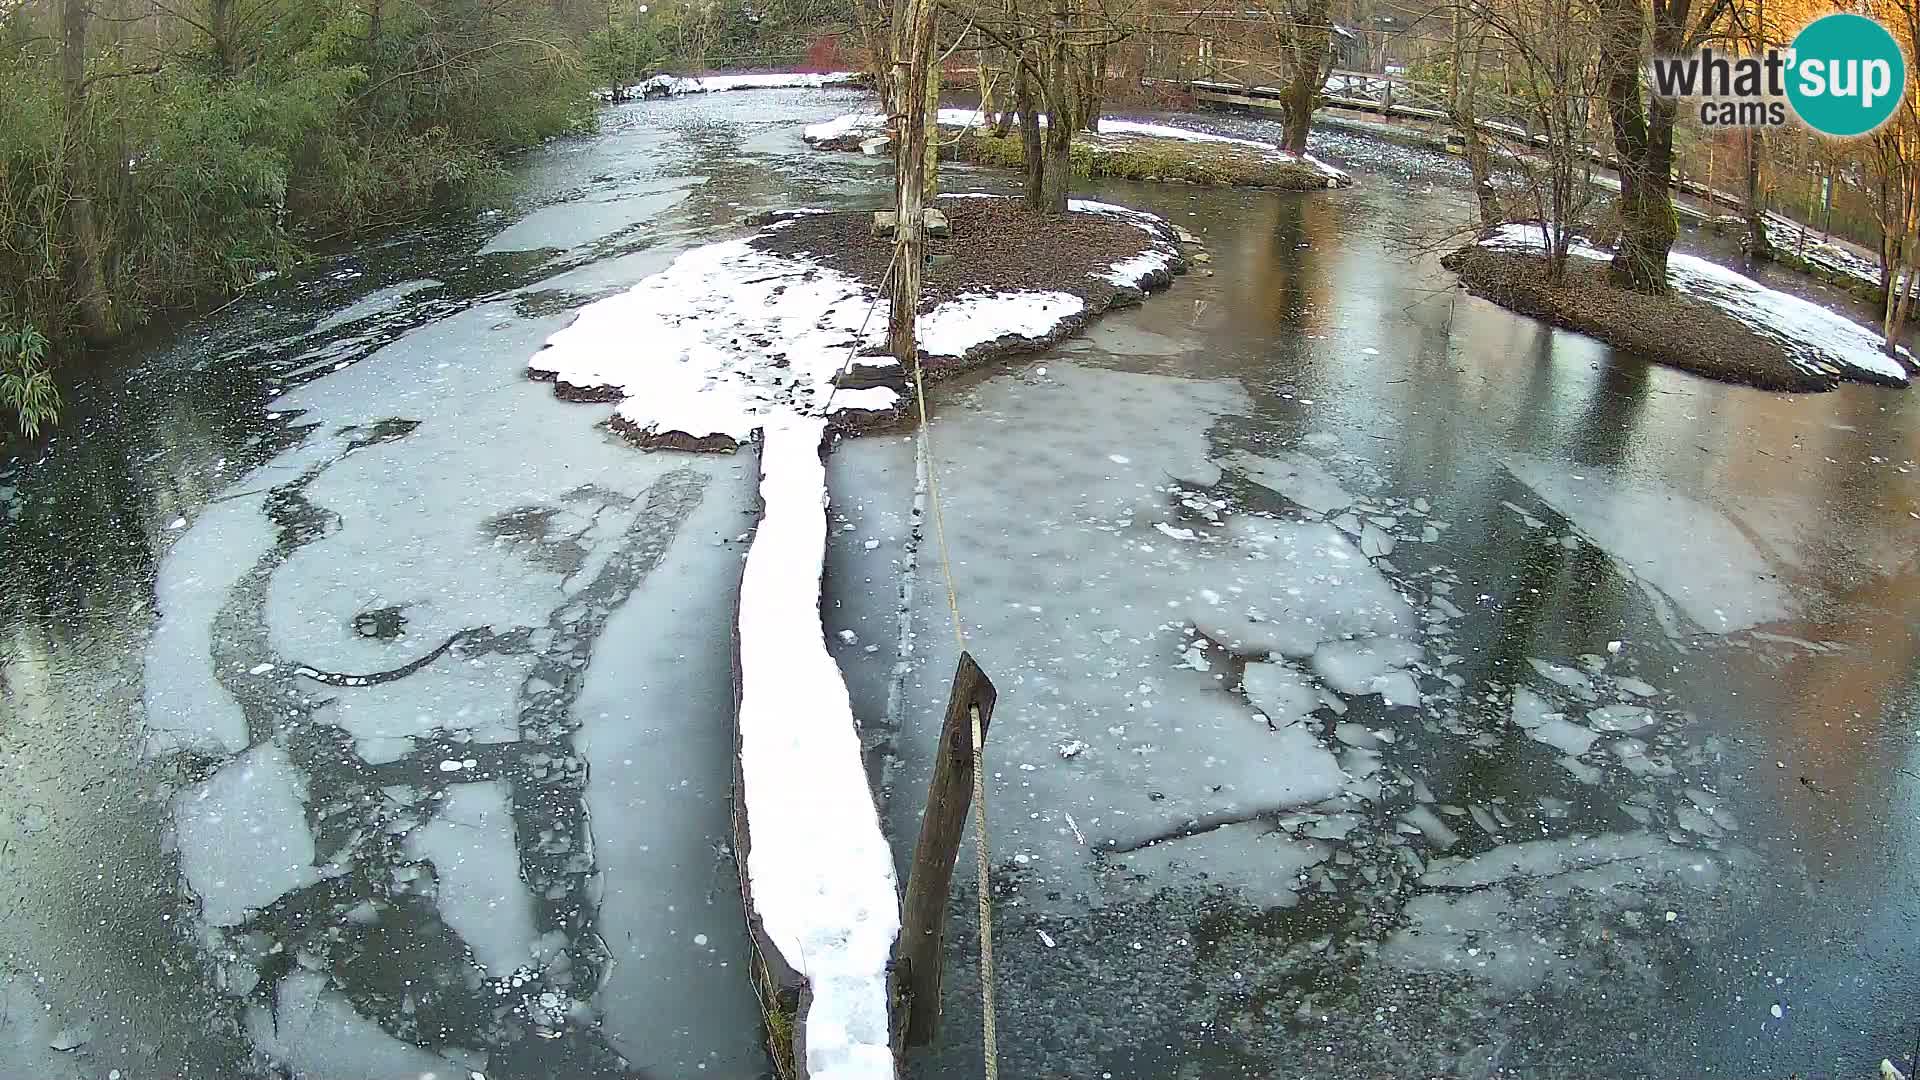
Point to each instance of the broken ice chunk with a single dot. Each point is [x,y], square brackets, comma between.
[1369,666]
[1565,676]
[1282,692]
[1634,686]
[1620,718]
[1374,542]
[1424,819]
[1298,477]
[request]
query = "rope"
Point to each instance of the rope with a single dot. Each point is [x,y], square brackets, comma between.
[853,350]
[989,1041]
[989,1038]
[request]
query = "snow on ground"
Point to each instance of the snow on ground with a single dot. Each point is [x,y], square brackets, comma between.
[730,336]
[1816,340]
[720,340]
[675,85]
[820,871]
[876,124]
[1683,553]
[1785,234]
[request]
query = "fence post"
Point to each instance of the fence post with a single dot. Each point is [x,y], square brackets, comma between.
[920,959]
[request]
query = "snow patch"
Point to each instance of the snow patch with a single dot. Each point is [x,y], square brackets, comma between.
[830,909]
[724,337]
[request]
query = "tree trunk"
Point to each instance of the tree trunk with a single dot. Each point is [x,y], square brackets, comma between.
[1033,154]
[1758,244]
[1312,41]
[930,163]
[220,33]
[913,59]
[1644,145]
[87,252]
[1466,118]
[1899,286]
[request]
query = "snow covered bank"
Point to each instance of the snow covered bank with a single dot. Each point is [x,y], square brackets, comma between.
[738,333]
[819,873]
[1718,321]
[675,85]
[1114,136]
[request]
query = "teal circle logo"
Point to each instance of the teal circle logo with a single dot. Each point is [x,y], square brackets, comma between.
[1846,75]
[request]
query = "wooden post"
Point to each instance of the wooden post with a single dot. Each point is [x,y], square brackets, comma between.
[920,959]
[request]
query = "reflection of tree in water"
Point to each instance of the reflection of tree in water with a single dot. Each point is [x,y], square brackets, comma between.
[1557,599]
[375,926]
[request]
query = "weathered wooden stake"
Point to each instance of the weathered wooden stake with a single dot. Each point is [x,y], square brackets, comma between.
[920,959]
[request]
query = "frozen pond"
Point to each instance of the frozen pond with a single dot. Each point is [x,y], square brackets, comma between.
[1388,685]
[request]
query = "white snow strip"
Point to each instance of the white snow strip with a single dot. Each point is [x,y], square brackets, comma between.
[876,124]
[821,873]
[1816,340]
[674,86]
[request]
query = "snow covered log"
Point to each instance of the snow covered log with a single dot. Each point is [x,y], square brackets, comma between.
[816,873]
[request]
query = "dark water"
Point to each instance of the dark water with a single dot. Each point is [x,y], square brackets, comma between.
[359,697]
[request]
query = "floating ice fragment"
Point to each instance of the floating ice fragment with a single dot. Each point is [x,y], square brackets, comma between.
[699,939]
[178,523]
[1120,459]
[449,766]
[259,669]
[871,544]
[1073,748]
[849,637]
[1169,530]
[1045,939]
[1777,1011]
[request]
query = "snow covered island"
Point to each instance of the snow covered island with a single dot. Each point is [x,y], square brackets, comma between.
[1716,322]
[1126,149]
[789,321]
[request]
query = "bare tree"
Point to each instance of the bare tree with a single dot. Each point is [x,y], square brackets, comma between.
[1643,129]
[87,250]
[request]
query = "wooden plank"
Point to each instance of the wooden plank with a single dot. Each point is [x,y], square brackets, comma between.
[919,960]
